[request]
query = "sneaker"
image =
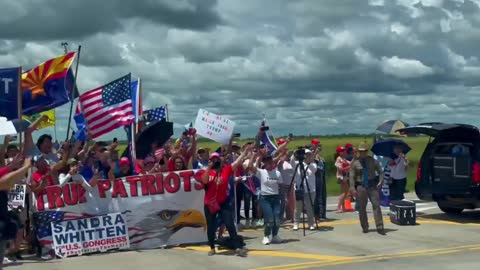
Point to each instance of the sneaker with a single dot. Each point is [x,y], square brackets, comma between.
[47,257]
[211,252]
[381,231]
[260,223]
[276,240]
[295,227]
[6,260]
[266,240]
[312,228]
[241,252]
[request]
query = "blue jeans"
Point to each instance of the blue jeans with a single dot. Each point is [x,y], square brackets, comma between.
[271,212]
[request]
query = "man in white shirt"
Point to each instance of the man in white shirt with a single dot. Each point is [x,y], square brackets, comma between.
[305,190]
[398,174]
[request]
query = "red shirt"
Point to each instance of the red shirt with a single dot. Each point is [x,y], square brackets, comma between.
[222,189]
[4,171]
[37,177]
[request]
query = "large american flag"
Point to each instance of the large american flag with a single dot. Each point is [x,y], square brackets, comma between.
[43,220]
[156,114]
[107,107]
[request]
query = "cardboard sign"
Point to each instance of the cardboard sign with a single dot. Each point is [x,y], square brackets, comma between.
[214,127]
[87,235]
[16,196]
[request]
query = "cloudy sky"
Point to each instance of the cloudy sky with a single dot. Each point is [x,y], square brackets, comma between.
[313,66]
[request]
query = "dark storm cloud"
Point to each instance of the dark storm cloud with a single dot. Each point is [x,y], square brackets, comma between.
[71,19]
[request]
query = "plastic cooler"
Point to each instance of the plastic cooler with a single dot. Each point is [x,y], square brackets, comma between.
[403,212]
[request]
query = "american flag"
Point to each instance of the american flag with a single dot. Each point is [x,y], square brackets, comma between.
[156,114]
[107,107]
[45,218]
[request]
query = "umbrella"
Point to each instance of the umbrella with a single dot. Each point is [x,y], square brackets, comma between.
[159,132]
[391,127]
[385,148]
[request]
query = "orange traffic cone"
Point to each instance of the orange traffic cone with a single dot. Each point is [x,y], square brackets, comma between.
[347,205]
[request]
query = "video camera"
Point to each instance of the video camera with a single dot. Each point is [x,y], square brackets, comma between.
[300,154]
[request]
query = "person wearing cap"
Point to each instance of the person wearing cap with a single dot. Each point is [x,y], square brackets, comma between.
[305,188]
[42,177]
[216,179]
[124,170]
[270,179]
[365,184]
[343,167]
[200,159]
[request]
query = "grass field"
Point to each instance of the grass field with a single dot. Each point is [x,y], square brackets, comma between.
[329,144]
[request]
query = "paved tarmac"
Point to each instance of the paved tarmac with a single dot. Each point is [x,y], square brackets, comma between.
[437,242]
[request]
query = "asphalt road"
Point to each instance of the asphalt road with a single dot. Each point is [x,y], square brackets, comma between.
[437,242]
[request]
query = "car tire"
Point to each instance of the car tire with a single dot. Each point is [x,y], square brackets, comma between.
[450,210]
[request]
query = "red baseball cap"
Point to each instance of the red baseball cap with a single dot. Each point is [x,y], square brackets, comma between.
[281,141]
[214,155]
[124,161]
[348,145]
[340,149]
[315,142]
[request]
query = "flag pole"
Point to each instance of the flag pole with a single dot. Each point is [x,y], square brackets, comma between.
[166,113]
[73,92]
[20,108]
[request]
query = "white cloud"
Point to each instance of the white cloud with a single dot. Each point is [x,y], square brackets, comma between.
[405,68]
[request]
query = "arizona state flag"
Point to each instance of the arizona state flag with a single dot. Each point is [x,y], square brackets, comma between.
[49,85]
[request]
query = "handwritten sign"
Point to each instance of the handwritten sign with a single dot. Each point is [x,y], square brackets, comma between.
[81,236]
[16,196]
[214,127]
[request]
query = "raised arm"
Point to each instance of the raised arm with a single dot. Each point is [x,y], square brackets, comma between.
[240,159]
[8,180]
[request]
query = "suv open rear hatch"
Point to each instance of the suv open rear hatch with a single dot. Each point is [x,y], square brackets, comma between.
[444,130]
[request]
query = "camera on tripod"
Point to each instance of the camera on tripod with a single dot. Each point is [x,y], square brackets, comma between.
[300,154]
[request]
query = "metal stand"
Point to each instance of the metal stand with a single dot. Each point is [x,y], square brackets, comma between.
[304,182]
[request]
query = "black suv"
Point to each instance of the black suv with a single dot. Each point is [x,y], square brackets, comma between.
[449,170]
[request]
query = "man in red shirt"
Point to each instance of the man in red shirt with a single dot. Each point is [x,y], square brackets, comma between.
[216,179]
[42,178]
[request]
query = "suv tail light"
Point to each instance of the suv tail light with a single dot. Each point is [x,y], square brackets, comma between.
[476,173]
[419,171]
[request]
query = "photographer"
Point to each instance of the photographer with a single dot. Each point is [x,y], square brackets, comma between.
[304,188]
[9,176]
[216,180]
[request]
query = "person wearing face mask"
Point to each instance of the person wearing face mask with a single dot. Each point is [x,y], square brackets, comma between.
[270,179]
[365,185]
[216,179]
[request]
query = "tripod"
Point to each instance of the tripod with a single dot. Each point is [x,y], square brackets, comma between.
[304,182]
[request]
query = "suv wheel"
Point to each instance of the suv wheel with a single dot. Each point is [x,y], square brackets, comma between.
[449,210]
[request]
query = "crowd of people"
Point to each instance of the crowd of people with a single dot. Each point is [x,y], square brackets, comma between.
[272,187]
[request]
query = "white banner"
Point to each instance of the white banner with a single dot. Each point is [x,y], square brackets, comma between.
[88,235]
[160,209]
[16,196]
[214,127]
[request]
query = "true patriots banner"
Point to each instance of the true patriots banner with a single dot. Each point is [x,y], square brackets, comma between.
[160,209]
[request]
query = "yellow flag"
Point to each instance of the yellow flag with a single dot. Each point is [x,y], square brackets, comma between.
[50,122]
